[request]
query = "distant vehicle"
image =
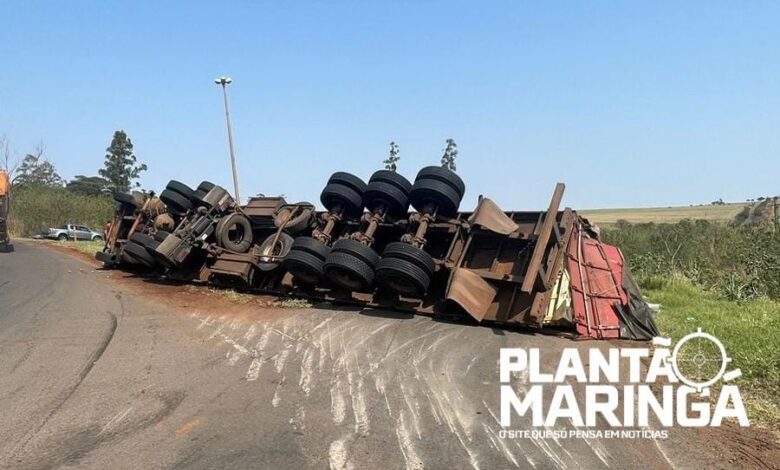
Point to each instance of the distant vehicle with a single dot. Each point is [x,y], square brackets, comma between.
[73,232]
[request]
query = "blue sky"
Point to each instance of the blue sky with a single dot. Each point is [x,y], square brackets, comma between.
[629,103]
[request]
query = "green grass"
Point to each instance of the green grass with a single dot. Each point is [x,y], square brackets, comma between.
[750,331]
[720,213]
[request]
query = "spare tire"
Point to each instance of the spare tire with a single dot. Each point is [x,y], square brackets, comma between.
[298,223]
[234,233]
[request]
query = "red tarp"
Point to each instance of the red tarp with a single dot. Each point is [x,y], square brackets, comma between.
[596,271]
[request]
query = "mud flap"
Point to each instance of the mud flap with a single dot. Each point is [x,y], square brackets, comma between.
[470,291]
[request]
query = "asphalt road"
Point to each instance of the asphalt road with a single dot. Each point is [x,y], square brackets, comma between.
[95,376]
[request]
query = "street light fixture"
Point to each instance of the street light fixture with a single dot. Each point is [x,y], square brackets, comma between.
[224,81]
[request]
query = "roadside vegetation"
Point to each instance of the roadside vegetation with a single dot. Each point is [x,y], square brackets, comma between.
[38,208]
[750,331]
[723,279]
[737,263]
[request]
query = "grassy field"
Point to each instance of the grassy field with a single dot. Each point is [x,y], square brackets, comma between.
[750,331]
[606,217]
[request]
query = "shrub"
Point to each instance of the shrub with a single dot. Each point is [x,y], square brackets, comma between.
[37,208]
[738,262]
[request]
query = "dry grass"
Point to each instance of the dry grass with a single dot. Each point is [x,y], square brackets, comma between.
[606,217]
[89,248]
[243,298]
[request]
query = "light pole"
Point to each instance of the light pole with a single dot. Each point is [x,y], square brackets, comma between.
[224,81]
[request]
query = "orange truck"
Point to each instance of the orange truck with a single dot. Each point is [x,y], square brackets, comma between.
[5,202]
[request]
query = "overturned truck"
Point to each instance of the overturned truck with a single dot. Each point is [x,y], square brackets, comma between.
[5,206]
[389,244]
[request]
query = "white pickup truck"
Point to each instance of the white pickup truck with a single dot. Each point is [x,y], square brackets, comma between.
[73,232]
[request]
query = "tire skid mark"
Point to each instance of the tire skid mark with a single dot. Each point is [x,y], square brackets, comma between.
[93,358]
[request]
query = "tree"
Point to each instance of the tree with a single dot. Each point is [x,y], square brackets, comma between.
[392,161]
[87,185]
[120,165]
[5,157]
[37,171]
[450,154]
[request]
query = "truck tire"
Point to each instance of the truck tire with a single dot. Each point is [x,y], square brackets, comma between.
[305,267]
[313,246]
[427,193]
[180,188]
[199,194]
[348,271]
[198,198]
[444,175]
[234,233]
[349,180]
[414,255]
[175,202]
[206,186]
[125,198]
[139,253]
[391,177]
[402,277]
[357,250]
[336,196]
[141,238]
[62,237]
[381,194]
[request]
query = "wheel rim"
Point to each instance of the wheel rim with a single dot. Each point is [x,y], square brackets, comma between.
[236,234]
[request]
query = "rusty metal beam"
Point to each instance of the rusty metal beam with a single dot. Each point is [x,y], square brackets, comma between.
[542,299]
[550,219]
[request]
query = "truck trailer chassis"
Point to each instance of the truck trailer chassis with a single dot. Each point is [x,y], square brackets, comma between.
[488,266]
